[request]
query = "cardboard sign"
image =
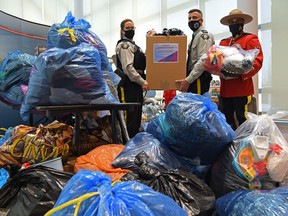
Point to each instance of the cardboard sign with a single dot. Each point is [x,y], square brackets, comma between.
[165,61]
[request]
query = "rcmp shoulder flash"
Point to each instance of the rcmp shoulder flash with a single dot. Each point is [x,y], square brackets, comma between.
[124,45]
[205,36]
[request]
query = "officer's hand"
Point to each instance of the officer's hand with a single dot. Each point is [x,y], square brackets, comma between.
[145,86]
[184,85]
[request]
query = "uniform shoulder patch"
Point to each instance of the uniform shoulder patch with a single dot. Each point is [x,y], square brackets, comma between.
[124,45]
[205,36]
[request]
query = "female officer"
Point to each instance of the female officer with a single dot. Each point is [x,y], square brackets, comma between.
[131,61]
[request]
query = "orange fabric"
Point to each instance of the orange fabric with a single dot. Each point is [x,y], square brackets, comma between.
[100,159]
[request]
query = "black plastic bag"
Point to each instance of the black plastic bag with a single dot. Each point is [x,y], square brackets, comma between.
[191,193]
[160,156]
[33,191]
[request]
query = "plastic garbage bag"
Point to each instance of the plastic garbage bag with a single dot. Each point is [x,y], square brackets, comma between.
[256,202]
[191,193]
[32,192]
[95,194]
[160,156]
[227,60]
[3,177]
[72,32]
[263,153]
[100,159]
[14,72]
[240,166]
[67,76]
[193,127]
[15,69]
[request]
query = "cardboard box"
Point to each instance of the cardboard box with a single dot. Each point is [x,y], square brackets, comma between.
[165,61]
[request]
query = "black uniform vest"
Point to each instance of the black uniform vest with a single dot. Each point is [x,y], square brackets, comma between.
[139,62]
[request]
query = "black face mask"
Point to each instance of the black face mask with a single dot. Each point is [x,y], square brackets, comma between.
[130,33]
[236,28]
[194,25]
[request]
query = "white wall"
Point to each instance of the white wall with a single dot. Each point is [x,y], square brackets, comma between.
[276,93]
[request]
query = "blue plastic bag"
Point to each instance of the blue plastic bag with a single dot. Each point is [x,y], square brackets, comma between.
[256,202]
[14,72]
[67,76]
[193,127]
[6,135]
[4,175]
[72,32]
[101,197]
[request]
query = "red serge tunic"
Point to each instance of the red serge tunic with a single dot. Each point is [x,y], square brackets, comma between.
[242,86]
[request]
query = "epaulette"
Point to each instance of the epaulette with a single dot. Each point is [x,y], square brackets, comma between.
[204,31]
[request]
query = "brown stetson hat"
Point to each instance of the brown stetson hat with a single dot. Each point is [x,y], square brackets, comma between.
[236,13]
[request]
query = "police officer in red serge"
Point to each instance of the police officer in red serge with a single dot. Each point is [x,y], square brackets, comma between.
[236,92]
[131,61]
[197,81]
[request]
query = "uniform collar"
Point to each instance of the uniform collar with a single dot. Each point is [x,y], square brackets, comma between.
[128,39]
[233,39]
[198,30]
[238,35]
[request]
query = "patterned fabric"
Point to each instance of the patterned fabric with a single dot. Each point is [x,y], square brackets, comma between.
[33,145]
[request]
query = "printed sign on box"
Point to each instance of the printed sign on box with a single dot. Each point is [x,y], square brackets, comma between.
[165,61]
[166,53]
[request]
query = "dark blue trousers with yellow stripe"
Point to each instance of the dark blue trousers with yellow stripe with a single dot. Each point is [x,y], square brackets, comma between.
[201,85]
[237,105]
[131,92]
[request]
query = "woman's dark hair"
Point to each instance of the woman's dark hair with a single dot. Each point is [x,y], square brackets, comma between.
[123,23]
[122,26]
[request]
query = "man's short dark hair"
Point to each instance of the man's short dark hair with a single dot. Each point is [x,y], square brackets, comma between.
[196,10]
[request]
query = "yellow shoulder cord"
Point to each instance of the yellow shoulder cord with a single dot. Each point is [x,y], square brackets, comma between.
[70,32]
[76,201]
